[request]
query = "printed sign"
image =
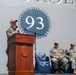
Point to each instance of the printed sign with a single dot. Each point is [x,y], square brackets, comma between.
[34,21]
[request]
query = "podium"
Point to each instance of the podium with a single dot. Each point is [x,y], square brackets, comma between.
[20,57]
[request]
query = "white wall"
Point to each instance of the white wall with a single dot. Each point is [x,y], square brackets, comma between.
[63,20]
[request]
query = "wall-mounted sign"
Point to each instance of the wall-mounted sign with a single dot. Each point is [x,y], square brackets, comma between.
[34,21]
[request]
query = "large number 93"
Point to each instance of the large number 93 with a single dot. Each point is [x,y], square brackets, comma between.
[33,22]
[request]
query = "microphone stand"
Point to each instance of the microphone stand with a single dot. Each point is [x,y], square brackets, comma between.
[35,44]
[35,37]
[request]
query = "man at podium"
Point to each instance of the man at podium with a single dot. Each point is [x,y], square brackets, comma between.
[12,30]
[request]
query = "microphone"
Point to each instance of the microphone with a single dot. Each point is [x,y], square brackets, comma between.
[15,28]
[28,30]
[18,29]
[34,32]
[25,29]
